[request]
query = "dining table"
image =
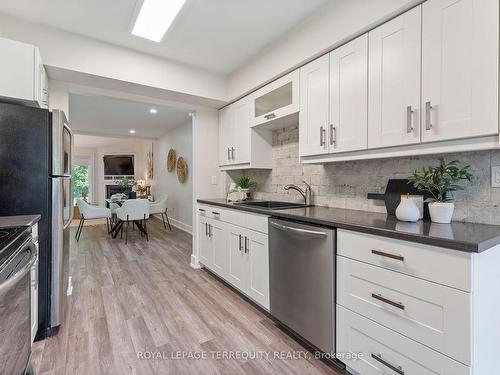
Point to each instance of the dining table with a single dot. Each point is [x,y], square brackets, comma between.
[117,224]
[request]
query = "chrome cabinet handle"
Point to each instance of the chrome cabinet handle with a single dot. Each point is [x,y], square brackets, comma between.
[428,122]
[246,244]
[388,255]
[210,230]
[409,125]
[240,245]
[379,297]
[321,136]
[216,213]
[270,116]
[201,210]
[232,153]
[396,369]
[228,153]
[206,229]
[333,134]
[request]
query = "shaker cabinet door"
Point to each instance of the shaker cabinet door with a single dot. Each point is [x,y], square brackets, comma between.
[257,250]
[348,96]
[459,69]
[314,107]
[394,81]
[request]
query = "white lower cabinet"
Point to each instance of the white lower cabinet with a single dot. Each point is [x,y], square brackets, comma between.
[204,245]
[257,247]
[432,314]
[238,254]
[416,309]
[237,271]
[383,351]
[217,240]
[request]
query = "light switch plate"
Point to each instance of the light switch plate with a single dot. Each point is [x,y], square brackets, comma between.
[214,180]
[495,176]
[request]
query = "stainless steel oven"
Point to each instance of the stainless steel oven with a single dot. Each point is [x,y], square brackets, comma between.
[15,318]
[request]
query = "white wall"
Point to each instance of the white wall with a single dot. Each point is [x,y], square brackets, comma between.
[331,25]
[136,147]
[180,196]
[71,52]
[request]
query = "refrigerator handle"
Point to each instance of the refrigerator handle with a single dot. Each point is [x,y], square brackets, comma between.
[71,137]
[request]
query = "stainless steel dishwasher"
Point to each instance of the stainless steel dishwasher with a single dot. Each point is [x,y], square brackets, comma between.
[302,280]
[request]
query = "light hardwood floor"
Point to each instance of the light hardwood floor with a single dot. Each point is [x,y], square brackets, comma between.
[145,298]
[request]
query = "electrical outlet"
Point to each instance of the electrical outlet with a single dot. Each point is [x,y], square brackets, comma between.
[214,180]
[495,176]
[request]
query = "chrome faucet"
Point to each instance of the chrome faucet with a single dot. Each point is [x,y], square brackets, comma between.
[306,194]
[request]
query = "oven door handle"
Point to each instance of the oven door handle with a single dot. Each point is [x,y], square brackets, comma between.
[23,271]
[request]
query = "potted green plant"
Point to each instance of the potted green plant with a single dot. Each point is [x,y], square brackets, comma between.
[440,182]
[245,184]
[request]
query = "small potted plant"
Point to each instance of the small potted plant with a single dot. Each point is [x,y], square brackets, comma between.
[245,183]
[440,182]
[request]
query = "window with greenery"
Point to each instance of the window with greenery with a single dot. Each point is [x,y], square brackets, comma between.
[80,182]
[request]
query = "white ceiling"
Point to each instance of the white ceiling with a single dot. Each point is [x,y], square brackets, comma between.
[93,141]
[216,35]
[102,115]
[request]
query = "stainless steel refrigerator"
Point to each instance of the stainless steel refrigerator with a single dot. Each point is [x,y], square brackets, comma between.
[36,152]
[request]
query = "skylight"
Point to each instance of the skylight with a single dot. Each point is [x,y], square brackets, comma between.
[155,18]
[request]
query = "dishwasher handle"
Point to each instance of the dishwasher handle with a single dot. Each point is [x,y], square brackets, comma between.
[304,232]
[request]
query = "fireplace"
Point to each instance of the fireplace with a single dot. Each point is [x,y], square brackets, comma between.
[116,189]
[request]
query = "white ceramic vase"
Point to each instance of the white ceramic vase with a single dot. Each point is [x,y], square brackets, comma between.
[441,212]
[407,210]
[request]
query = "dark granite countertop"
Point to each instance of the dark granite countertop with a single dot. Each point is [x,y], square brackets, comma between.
[21,220]
[467,237]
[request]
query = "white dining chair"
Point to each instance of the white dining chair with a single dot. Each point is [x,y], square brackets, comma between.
[135,211]
[160,207]
[91,212]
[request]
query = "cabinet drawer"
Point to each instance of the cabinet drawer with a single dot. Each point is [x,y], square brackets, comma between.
[432,314]
[243,219]
[383,351]
[443,266]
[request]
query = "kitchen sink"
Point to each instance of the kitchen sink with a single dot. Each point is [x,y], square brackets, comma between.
[272,205]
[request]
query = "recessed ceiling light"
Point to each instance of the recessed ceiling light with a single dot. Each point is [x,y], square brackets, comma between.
[155,17]
[131,131]
[153,110]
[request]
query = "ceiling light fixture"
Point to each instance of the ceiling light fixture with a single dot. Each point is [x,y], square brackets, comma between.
[131,131]
[153,111]
[155,18]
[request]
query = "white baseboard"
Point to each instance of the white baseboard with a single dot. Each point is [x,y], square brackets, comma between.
[178,224]
[194,263]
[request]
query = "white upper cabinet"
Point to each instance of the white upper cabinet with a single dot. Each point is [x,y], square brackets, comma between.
[348,97]
[240,146]
[226,135]
[394,81]
[242,131]
[22,75]
[276,101]
[314,106]
[459,69]
[333,101]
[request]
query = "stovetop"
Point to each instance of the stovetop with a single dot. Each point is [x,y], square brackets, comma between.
[9,236]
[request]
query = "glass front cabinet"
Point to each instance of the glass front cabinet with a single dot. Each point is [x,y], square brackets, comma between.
[275,101]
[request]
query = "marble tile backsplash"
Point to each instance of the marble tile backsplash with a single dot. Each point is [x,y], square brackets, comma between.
[346,184]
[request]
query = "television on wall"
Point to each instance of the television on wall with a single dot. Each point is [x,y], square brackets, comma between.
[118,165]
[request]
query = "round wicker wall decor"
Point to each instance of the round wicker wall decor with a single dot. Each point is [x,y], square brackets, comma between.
[171,160]
[182,170]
